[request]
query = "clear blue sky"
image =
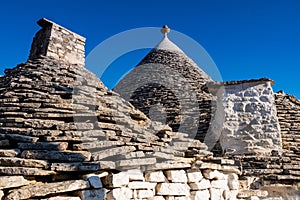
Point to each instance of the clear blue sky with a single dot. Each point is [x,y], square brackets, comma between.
[245,38]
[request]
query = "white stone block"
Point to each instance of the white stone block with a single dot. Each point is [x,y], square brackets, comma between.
[64,198]
[157,177]
[97,194]
[200,195]
[157,198]
[194,177]
[145,194]
[203,184]
[1,194]
[220,184]
[214,174]
[233,181]
[135,175]
[216,194]
[141,185]
[230,195]
[178,189]
[120,193]
[12,181]
[176,176]
[117,180]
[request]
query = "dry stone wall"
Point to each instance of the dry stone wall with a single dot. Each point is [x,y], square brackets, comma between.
[246,118]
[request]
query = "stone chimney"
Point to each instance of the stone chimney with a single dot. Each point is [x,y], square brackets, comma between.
[57,42]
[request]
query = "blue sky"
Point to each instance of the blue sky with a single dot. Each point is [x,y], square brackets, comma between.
[245,38]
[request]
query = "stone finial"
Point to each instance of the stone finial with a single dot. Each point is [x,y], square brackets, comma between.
[165,30]
[57,42]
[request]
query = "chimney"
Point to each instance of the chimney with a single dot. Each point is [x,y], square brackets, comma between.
[57,42]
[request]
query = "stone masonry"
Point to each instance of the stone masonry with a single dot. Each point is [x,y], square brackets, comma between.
[65,136]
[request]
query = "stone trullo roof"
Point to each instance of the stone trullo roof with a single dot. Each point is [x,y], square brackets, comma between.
[168,83]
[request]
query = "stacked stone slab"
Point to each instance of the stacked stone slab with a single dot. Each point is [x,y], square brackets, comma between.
[168,86]
[63,135]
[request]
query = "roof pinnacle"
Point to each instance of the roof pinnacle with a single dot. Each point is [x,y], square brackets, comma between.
[165,30]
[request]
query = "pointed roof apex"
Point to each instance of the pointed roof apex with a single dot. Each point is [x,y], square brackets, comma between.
[165,30]
[165,43]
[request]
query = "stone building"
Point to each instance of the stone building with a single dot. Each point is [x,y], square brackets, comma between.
[64,135]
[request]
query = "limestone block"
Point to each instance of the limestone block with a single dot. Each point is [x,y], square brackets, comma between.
[120,193]
[220,184]
[135,175]
[141,185]
[1,194]
[233,181]
[178,189]
[177,198]
[141,194]
[12,181]
[56,155]
[176,176]
[136,162]
[214,174]
[112,152]
[55,146]
[157,177]
[194,177]
[200,195]
[157,198]
[216,194]
[63,198]
[203,184]
[9,152]
[38,190]
[25,171]
[117,180]
[97,194]
[230,195]
[19,162]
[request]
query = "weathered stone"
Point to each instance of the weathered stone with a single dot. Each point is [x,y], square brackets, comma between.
[203,184]
[19,162]
[95,181]
[194,177]
[12,181]
[51,146]
[233,181]
[120,193]
[216,194]
[157,177]
[136,162]
[40,190]
[141,185]
[142,194]
[9,152]
[4,143]
[214,174]
[200,195]
[97,194]
[112,152]
[1,194]
[176,176]
[56,155]
[117,180]
[173,189]
[63,198]
[25,171]
[135,175]
[219,184]
[75,166]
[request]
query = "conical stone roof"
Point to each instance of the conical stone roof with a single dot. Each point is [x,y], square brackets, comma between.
[170,84]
